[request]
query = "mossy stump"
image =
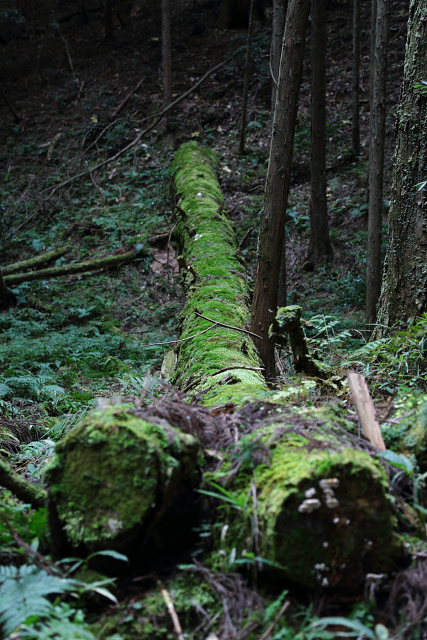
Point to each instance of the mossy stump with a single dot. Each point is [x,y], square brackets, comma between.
[324,511]
[120,482]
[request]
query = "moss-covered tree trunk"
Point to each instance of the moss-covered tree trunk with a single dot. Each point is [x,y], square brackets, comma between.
[404,291]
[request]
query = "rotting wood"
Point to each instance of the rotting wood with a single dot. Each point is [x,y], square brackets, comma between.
[78,267]
[53,254]
[288,323]
[365,409]
[126,99]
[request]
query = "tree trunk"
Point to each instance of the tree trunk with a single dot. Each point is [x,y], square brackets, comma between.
[376,165]
[246,78]
[372,56]
[166,53]
[279,18]
[270,251]
[108,21]
[320,248]
[7,298]
[355,125]
[404,292]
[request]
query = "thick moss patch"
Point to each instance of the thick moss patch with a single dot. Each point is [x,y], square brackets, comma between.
[216,287]
[114,475]
[323,508]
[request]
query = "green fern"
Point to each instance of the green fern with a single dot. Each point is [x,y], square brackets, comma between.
[22,594]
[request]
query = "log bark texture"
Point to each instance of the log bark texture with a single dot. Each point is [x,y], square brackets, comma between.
[404,292]
[279,19]
[270,253]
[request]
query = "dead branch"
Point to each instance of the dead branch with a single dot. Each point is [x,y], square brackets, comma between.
[124,101]
[11,109]
[139,137]
[227,326]
[23,489]
[35,262]
[366,410]
[71,269]
[173,614]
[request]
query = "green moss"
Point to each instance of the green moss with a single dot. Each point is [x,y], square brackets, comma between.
[113,472]
[322,546]
[216,288]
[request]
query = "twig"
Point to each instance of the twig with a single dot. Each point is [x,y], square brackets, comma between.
[70,62]
[143,133]
[123,102]
[34,556]
[268,631]
[167,255]
[243,240]
[235,367]
[153,344]
[227,326]
[172,613]
[11,109]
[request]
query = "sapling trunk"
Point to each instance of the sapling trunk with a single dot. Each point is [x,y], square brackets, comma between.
[270,249]
[246,78]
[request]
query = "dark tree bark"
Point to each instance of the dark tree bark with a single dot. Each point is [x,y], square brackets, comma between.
[355,127]
[108,20]
[246,78]
[166,53]
[278,178]
[376,164]
[404,291]
[279,18]
[372,54]
[320,248]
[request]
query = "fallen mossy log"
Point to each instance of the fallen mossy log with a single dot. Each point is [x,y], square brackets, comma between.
[216,288]
[118,481]
[71,269]
[23,489]
[322,504]
[53,254]
[317,503]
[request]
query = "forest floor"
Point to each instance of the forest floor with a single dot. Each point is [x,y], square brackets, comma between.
[72,340]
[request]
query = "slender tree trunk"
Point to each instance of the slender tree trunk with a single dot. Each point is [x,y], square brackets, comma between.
[376,165]
[246,78]
[404,291]
[355,127]
[279,18]
[371,78]
[108,20]
[278,178]
[320,247]
[166,53]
